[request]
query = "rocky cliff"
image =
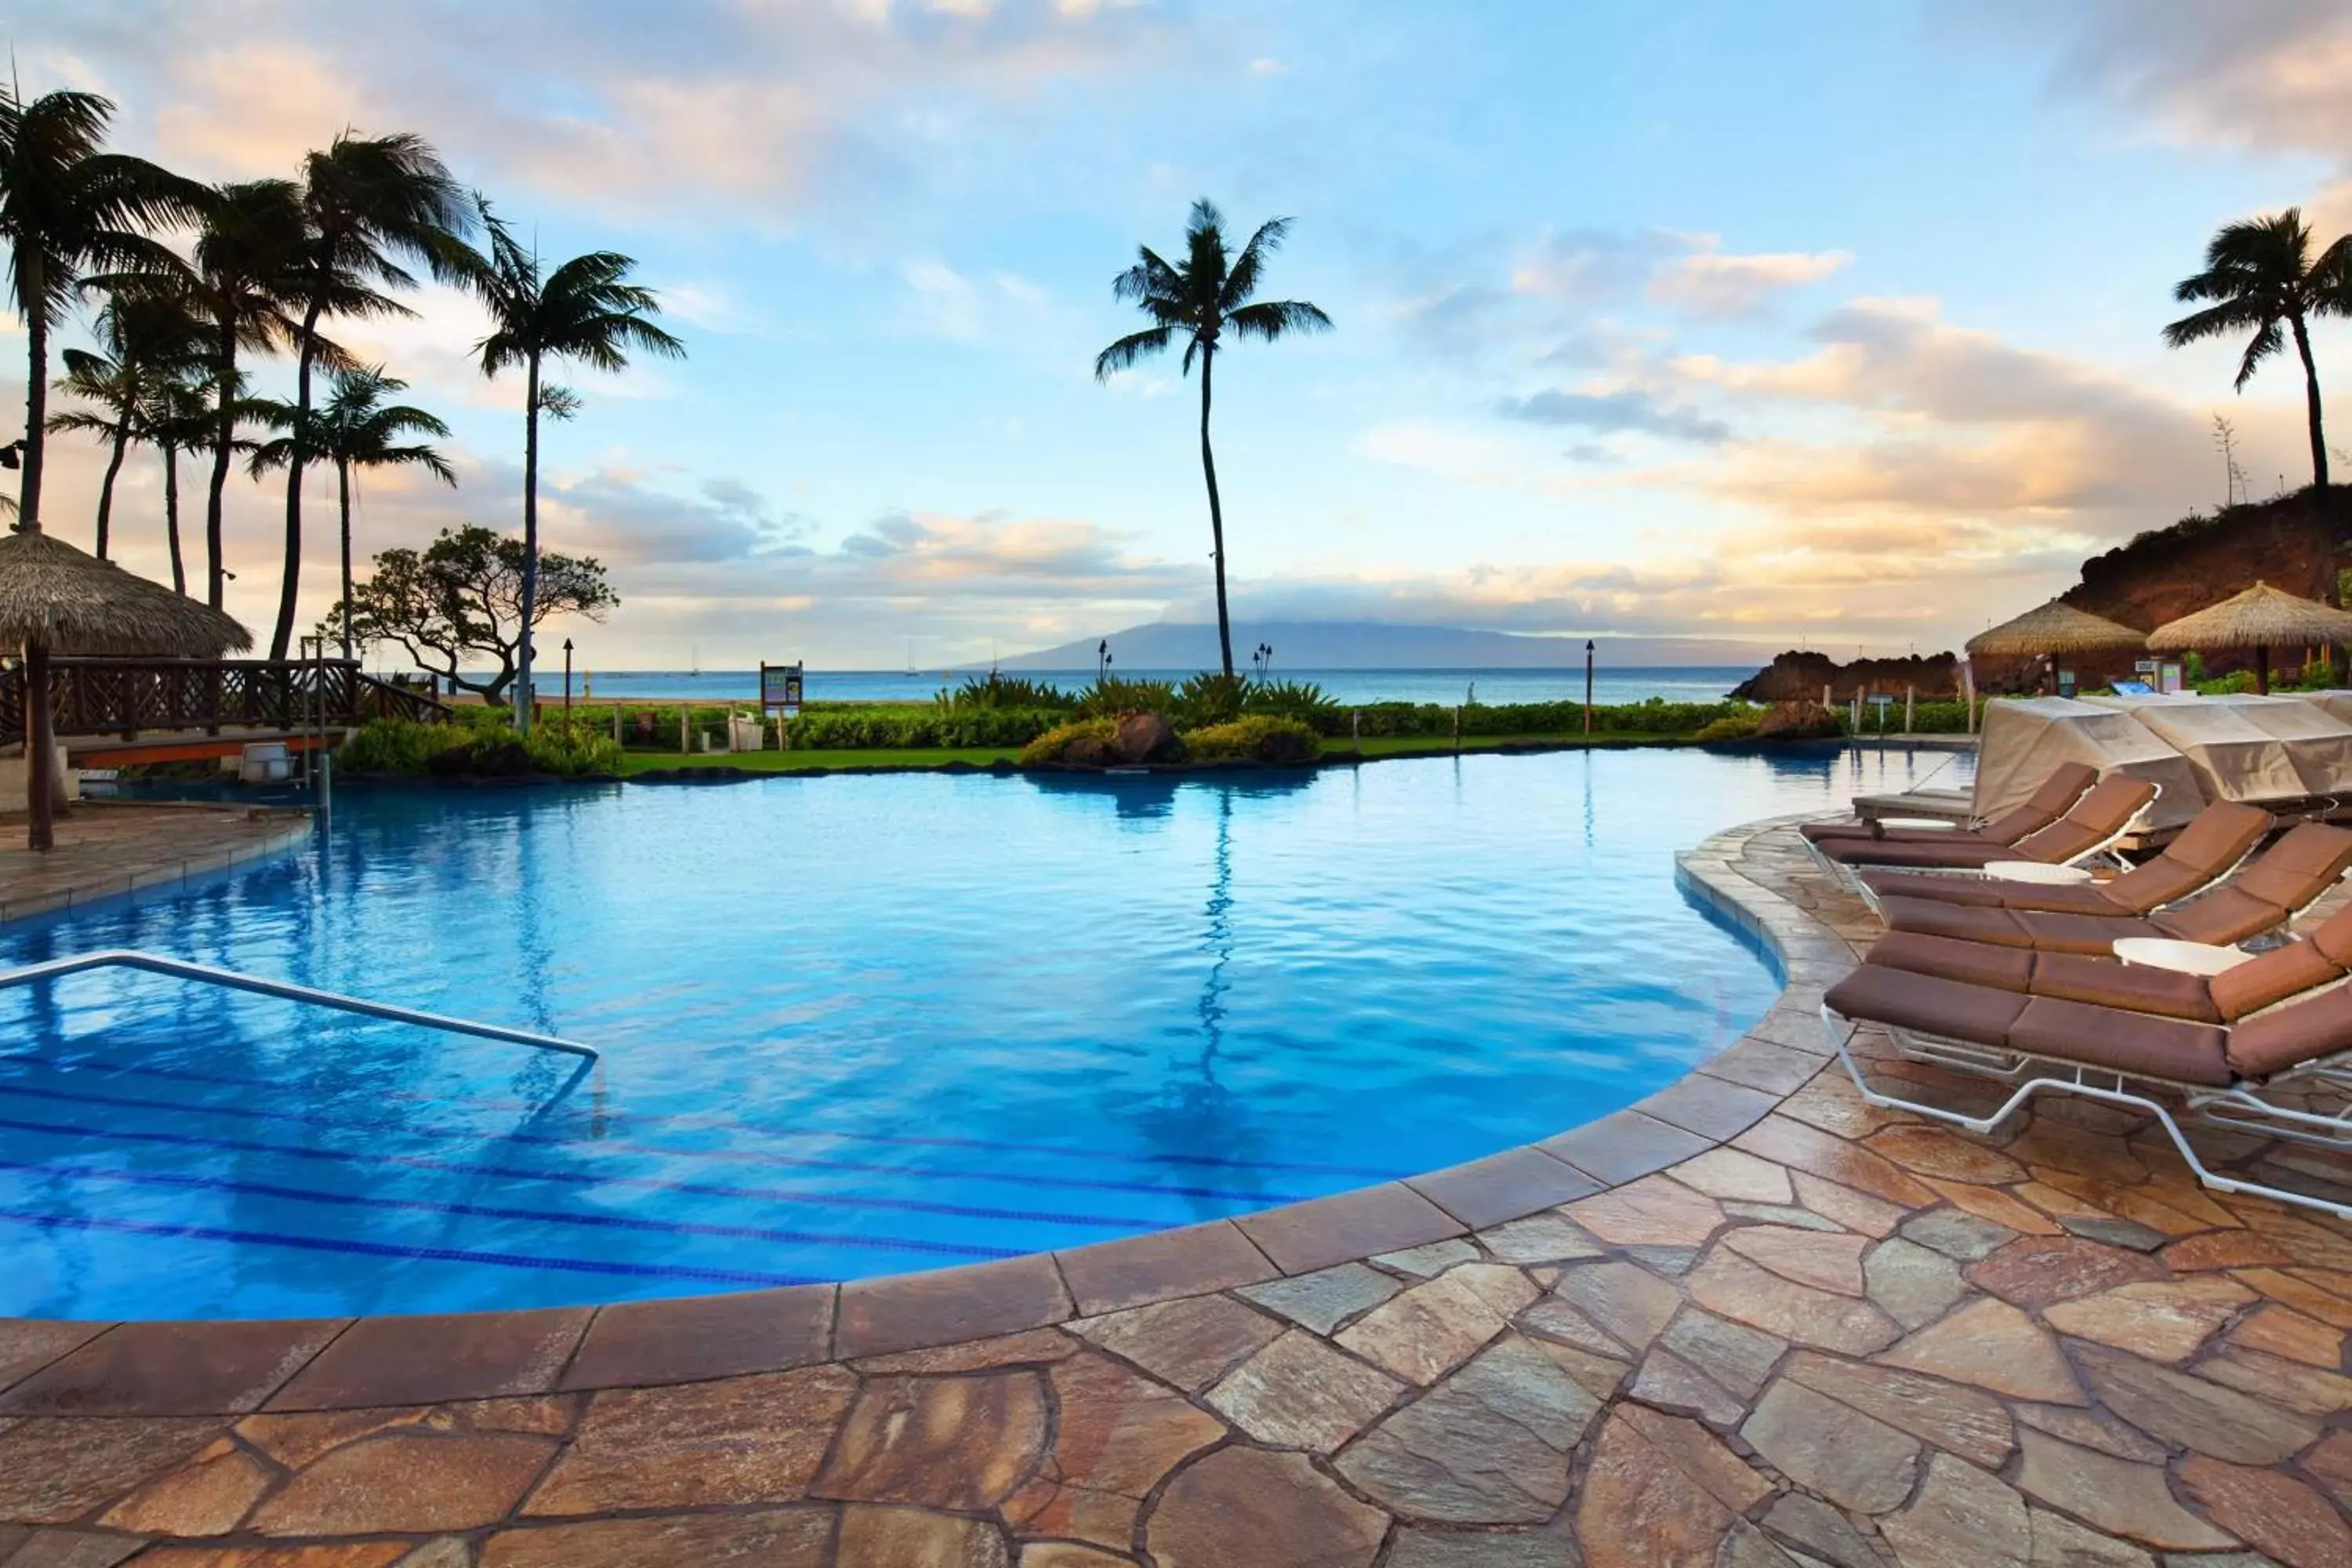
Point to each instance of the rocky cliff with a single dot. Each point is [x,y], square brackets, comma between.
[1799,676]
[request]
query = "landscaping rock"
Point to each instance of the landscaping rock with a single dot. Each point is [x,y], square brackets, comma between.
[1139,738]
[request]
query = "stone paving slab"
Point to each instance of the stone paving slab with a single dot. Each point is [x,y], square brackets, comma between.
[1752,1323]
[108,851]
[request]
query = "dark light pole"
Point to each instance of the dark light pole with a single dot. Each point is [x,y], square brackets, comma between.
[567,680]
[1588,686]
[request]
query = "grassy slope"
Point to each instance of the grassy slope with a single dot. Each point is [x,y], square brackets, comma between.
[980,756]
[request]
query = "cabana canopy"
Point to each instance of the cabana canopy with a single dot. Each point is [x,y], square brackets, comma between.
[2025,740]
[2234,758]
[2055,627]
[55,599]
[2318,741]
[2261,619]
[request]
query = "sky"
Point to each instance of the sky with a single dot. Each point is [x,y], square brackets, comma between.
[1781,320]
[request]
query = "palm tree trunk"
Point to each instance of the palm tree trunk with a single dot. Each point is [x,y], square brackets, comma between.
[530,543]
[1216,515]
[2311,398]
[106,485]
[171,517]
[290,581]
[37,408]
[223,440]
[343,495]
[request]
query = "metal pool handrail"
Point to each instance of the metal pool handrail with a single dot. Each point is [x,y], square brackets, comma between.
[130,958]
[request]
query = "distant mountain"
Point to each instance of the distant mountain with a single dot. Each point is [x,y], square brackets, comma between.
[1381,645]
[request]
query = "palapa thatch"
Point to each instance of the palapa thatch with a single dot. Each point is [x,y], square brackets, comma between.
[2056,627]
[2262,616]
[70,602]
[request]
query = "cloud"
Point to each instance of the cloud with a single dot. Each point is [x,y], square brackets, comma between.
[1630,411]
[732,114]
[1709,283]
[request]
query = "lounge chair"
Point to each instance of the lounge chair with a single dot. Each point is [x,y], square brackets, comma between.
[2223,1073]
[2091,825]
[2209,848]
[2045,805]
[2321,957]
[2265,894]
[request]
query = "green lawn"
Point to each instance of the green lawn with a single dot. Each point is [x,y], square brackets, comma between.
[981,757]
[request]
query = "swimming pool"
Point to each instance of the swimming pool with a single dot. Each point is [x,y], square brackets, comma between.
[854,1026]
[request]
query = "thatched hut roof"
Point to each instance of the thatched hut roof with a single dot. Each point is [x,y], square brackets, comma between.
[2056,627]
[53,594]
[2262,616]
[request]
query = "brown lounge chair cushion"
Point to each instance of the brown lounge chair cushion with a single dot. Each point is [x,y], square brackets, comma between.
[2045,805]
[2299,1033]
[2213,842]
[2168,1049]
[2097,817]
[2041,930]
[2065,976]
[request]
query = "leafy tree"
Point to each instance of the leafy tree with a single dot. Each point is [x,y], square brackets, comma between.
[146,339]
[356,429]
[366,203]
[2262,278]
[69,209]
[461,599]
[1199,300]
[583,310]
[243,259]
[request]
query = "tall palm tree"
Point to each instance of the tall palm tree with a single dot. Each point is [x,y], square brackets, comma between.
[583,310]
[178,417]
[1199,300]
[146,338]
[243,259]
[355,429]
[2262,278]
[67,208]
[367,203]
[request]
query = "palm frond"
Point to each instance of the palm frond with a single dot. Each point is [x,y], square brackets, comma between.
[1241,282]
[1124,354]
[2267,342]
[1272,319]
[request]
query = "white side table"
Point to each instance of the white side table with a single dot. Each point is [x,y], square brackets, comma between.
[2188,957]
[2040,872]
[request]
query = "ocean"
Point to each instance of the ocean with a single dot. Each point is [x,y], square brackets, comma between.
[1674,684]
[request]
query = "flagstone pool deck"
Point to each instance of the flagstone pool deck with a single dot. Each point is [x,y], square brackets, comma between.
[1750,1323]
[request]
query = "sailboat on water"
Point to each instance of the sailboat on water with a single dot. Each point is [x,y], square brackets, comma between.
[694,661]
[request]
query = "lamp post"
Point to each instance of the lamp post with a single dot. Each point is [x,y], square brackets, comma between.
[1588,686]
[567,681]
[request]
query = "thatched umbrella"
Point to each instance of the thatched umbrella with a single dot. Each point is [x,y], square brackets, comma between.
[2056,627]
[55,597]
[2261,619]
[2052,628]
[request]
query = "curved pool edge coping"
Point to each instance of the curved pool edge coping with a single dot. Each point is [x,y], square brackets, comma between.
[170,878]
[236,1366]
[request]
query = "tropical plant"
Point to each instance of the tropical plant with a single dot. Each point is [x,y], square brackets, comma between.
[583,310]
[1111,695]
[461,599]
[355,429]
[366,203]
[998,690]
[2261,277]
[178,417]
[244,260]
[1210,293]
[144,340]
[1257,738]
[68,209]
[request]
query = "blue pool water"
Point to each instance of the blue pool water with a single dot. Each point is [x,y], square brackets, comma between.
[853,1026]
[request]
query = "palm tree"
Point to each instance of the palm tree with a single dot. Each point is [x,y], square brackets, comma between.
[178,417]
[67,208]
[355,429]
[243,259]
[2262,278]
[146,339]
[367,202]
[1210,293]
[583,310]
